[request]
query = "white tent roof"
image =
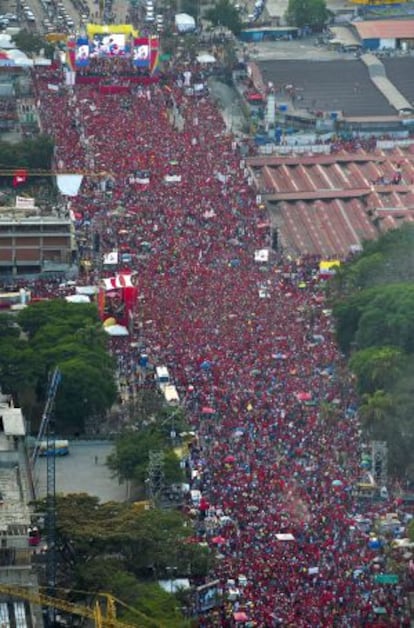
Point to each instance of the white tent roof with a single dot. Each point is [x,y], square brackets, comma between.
[6,42]
[184,22]
[174,585]
[117,330]
[205,57]
[78,298]
[88,290]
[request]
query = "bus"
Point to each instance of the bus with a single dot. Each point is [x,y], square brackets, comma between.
[57,447]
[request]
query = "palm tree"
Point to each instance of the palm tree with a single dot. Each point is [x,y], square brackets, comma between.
[375,409]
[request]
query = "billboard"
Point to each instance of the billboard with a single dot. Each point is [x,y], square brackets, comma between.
[82,52]
[142,52]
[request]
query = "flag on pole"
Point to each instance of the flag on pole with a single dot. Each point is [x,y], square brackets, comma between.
[20,176]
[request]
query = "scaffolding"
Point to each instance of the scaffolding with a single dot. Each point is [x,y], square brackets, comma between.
[155,481]
[379,455]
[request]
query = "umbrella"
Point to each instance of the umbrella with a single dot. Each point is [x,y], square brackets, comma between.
[304,396]
[374,543]
[109,321]
[117,330]
[229,459]
[218,540]
[207,410]
[240,616]
[337,483]
[255,97]
[205,365]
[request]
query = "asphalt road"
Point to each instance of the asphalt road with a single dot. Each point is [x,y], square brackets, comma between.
[229,103]
[79,472]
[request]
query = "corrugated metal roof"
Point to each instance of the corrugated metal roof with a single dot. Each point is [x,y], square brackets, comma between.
[385,29]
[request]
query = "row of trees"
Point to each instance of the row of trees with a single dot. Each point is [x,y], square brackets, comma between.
[301,13]
[123,549]
[374,305]
[35,154]
[154,428]
[70,336]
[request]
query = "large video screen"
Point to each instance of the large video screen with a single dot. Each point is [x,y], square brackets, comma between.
[111,45]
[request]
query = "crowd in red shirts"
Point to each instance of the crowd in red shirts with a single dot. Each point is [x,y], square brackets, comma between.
[278,451]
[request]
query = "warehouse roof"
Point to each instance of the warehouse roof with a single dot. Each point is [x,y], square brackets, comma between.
[385,29]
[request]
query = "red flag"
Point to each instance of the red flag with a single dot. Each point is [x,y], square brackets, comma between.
[20,176]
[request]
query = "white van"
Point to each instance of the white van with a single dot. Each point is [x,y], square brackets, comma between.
[162,376]
[171,395]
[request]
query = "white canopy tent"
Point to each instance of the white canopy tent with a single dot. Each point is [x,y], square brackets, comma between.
[117,330]
[205,57]
[184,23]
[78,298]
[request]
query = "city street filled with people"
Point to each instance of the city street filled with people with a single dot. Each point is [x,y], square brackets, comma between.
[249,341]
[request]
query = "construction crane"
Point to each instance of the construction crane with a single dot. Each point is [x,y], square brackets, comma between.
[47,429]
[102,617]
[50,399]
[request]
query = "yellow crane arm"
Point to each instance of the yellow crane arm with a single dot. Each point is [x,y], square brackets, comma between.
[46,600]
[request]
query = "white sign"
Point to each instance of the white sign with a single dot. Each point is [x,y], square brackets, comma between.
[25,202]
[111,258]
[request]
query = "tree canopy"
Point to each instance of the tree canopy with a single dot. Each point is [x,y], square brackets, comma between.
[57,333]
[123,549]
[373,306]
[34,153]
[311,13]
[32,43]
[224,13]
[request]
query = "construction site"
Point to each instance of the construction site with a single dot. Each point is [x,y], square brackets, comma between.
[16,493]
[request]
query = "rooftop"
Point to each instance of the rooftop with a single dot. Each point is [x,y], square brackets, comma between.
[342,85]
[385,29]
[329,204]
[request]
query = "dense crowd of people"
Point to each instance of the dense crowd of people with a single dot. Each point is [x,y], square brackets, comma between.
[250,344]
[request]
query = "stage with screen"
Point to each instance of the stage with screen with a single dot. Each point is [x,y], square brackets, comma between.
[138,55]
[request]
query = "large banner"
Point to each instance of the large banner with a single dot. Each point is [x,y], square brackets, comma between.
[82,52]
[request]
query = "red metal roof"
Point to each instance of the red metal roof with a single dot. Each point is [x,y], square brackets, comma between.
[385,29]
[327,204]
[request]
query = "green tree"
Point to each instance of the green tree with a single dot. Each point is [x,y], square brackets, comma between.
[377,367]
[69,336]
[224,13]
[34,153]
[8,326]
[32,43]
[146,543]
[311,13]
[374,410]
[131,456]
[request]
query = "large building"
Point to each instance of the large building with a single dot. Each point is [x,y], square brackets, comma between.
[16,568]
[328,205]
[31,243]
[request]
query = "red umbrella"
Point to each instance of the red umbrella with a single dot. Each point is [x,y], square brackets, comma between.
[255,97]
[218,540]
[304,396]
[229,459]
[240,616]
[207,410]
